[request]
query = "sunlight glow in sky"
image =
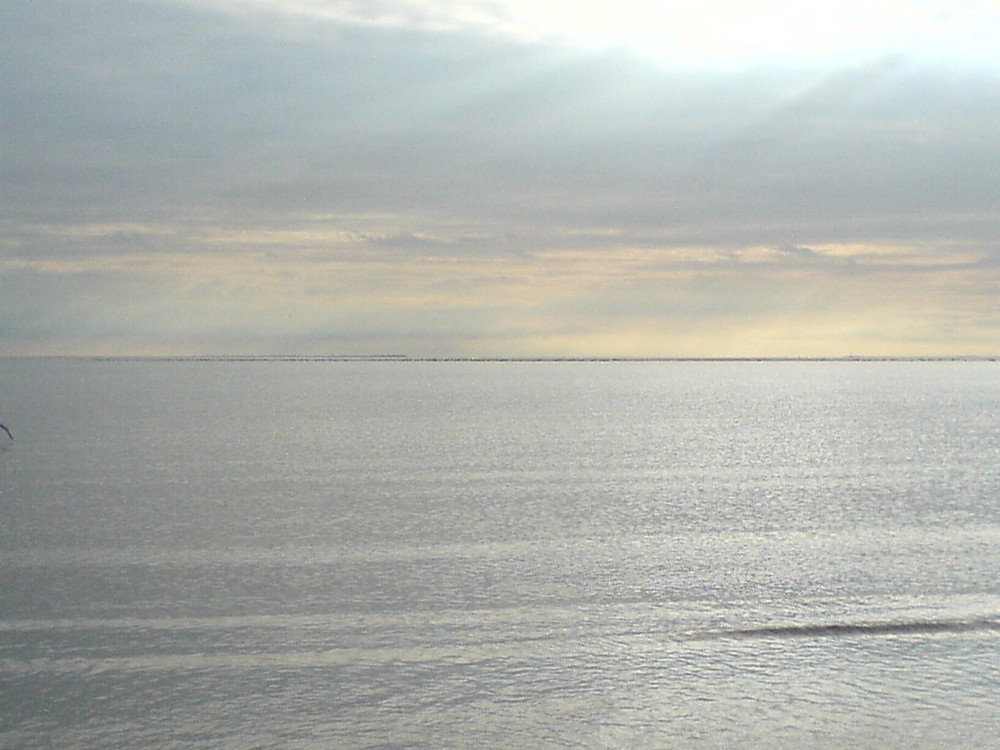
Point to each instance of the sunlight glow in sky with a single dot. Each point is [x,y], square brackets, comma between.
[700,33]
[724,32]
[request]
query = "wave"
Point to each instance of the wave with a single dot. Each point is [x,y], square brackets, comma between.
[824,630]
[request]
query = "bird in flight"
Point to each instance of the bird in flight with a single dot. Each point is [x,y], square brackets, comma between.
[4,428]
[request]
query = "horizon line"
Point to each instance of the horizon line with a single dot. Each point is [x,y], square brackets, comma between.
[418,358]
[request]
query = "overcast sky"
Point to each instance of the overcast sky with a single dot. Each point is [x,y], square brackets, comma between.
[500,177]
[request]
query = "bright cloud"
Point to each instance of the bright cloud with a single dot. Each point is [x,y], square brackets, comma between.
[701,33]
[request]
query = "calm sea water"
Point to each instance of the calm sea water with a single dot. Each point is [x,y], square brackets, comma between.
[499,554]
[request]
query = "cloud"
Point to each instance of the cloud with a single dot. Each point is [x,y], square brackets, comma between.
[684,32]
[436,168]
[201,110]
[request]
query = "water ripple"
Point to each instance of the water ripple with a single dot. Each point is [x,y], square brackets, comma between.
[821,630]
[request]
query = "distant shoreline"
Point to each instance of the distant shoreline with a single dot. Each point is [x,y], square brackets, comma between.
[414,359]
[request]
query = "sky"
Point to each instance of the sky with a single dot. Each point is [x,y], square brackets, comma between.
[500,178]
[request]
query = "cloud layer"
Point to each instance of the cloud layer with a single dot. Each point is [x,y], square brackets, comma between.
[318,176]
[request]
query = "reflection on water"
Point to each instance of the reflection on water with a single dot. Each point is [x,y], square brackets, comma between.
[372,554]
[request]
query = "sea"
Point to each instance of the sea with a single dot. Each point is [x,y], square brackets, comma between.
[321,552]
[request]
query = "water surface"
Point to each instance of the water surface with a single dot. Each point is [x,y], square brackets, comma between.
[316,554]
